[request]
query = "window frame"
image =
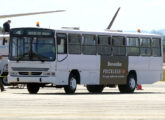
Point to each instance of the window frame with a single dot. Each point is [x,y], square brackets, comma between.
[107,45]
[74,43]
[124,45]
[160,51]
[65,44]
[133,46]
[143,47]
[88,45]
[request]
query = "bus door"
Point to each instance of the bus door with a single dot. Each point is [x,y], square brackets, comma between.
[62,61]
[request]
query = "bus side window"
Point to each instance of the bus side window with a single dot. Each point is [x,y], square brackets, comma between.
[61,43]
[104,46]
[132,46]
[118,43]
[74,43]
[156,47]
[89,45]
[145,46]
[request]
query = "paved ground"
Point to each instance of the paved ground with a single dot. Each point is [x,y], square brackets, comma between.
[51,104]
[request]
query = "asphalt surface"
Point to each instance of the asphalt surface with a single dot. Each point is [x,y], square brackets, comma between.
[54,104]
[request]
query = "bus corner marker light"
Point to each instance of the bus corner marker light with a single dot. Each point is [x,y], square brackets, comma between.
[138,30]
[37,24]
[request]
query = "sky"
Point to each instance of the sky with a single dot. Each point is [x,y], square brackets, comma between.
[94,15]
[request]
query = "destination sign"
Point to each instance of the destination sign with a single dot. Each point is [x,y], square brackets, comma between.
[32,32]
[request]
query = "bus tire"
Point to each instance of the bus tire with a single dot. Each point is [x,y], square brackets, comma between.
[130,86]
[95,88]
[4,81]
[72,85]
[33,88]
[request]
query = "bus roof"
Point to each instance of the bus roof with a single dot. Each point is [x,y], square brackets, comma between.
[133,34]
[114,33]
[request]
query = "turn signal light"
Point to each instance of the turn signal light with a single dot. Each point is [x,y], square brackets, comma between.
[37,24]
[138,30]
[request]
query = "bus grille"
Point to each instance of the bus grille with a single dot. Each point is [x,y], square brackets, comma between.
[30,73]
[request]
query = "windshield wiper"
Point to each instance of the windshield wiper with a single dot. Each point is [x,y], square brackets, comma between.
[40,57]
[22,56]
[31,55]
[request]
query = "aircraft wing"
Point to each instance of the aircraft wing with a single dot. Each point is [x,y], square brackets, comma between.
[27,14]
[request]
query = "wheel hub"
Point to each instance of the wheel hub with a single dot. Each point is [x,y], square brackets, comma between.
[132,83]
[73,83]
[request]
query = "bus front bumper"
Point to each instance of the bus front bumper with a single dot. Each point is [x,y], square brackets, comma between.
[20,79]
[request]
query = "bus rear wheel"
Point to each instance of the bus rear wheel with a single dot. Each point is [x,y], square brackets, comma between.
[130,86]
[33,88]
[72,85]
[95,88]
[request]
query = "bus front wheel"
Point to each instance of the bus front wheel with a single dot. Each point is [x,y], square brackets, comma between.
[72,85]
[130,86]
[33,88]
[95,88]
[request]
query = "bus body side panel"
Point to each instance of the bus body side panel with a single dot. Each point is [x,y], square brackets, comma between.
[148,69]
[62,71]
[88,67]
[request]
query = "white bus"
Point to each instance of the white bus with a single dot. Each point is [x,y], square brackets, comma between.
[4,43]
[64,58]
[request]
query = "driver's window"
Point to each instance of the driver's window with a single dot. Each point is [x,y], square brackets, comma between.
[61,43]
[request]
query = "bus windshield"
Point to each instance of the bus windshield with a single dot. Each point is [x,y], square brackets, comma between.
[32,48]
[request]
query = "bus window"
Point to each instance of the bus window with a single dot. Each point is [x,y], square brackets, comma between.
[74,43]
[61,43]
[118,45]
[156,47]
[104,47]
[89,44]
[132,46]
[145,44]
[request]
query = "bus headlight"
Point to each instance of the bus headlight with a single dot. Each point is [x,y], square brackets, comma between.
[13,73]
[48,73]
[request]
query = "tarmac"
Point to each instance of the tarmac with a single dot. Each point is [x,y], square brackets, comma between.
[54,104]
